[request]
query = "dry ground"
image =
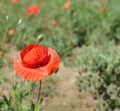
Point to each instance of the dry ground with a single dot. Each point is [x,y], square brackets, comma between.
[67,98]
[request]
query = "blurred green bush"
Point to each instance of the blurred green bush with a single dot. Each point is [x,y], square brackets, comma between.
[99,73]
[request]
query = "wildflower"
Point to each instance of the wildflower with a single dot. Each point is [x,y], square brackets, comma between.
[67,5]
[43,0]
[15,1]
[11,31]
[33,9]
[1,52]
[36,62]
[3,92]
[103,9]
[10,59]
[55,22]
[70,33]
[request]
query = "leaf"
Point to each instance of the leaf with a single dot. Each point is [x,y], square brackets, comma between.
[37,106]
[32,106]
[6,100]
[2,75]
[1,103]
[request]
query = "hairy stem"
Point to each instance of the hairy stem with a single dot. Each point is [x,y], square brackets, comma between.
[39,94]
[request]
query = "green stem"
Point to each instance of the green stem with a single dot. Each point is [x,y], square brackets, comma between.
[39,94]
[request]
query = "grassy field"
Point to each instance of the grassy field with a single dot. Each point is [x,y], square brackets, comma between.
[85,34]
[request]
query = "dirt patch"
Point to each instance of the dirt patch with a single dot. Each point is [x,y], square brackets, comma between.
[67,97]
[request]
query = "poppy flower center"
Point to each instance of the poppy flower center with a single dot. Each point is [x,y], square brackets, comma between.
[35,56]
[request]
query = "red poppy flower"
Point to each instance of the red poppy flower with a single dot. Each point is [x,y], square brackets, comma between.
[103,9]
[67,5]
[55,22]
[36,62]
[70,33]
[15,1]
[11,32]
[33,9]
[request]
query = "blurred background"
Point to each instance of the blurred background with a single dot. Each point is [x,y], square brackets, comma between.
[85,33]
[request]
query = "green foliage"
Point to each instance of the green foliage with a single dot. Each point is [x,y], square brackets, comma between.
[19,100]
[84,19]
[22,95]
[114,31]
[100,74]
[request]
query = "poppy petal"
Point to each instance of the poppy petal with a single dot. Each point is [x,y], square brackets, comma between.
[28,73]
[53,63]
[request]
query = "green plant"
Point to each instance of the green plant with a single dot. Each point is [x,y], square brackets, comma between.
[19,100]
[100,74]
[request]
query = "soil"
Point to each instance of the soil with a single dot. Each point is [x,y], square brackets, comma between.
[68,97]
